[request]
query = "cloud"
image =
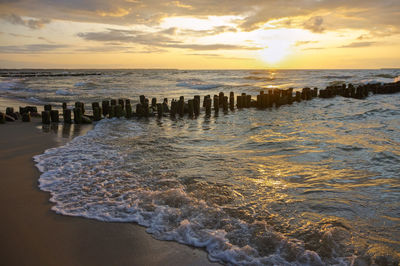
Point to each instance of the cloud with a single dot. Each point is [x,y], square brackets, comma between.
[301,43]
[314,24]
[33,24]
[369,15]
[31,48]
[159,39]
[357,45]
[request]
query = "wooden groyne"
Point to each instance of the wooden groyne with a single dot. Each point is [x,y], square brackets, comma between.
[191,107]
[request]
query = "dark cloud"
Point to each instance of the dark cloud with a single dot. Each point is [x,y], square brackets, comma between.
[368,15]
[315,24]
[30,23]
[31,48]
[357,45]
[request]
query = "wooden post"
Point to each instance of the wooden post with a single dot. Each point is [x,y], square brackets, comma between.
[232,100]
[106,107]
[221,98]
[96,113]
[139,109]
[190,108]
[248,101]
[208,105]
[146,108]
[196,102]
[81,106]
[46,117]
[67,116]
[216,103]
[298,96]
[64,105]
[160,109]
[54,115]
[128,109]
[118,111]
[181,106]
[174,108]
[165,105]
[141,98]
[121,102]
[239,101]
[77,115]
[225,104]
[153,103]
[26,117]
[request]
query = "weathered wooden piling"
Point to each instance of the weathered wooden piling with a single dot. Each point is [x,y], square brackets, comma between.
[165,105]
[128,109]
[298,96]
[216,103]
[54,115]
[239,102]
[139,109]
[190,108]
[225,104]
[81,106]
[64,105]
[142,98]
[119,111]
[248,101]
[96,113]
[67,116]
[181,106]
[113,102]
[146,111]
[26,117]
[232,100]
[77,115]
[160,109]
[174,108]
[46,117]
[122,103]
[196,102]
[221,97]
[105,105]
[208,105]
[154,103]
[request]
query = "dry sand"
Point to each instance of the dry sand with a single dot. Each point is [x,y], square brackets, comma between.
[32,234]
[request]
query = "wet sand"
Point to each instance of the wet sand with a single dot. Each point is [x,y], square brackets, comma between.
[32,234]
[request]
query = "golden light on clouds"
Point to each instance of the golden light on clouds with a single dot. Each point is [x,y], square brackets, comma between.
[209,34]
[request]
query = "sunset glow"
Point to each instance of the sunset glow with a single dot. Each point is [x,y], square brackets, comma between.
[175,34]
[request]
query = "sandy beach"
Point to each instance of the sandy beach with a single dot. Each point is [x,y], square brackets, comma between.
[32,234]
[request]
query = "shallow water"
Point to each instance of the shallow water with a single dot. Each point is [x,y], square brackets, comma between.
[311,183]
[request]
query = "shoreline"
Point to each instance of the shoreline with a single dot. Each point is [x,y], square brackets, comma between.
[33,234]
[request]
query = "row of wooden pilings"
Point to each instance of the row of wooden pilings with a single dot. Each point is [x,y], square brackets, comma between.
[123,108]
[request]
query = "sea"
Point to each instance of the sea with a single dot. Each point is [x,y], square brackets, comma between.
[312,183]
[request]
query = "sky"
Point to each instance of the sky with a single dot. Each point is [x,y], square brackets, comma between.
[194,34]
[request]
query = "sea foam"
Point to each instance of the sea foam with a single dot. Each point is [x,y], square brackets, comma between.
[95,176]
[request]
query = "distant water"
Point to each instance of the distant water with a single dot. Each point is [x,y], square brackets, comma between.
[313,183]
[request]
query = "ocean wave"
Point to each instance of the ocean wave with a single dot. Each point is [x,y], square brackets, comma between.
[98,176]
[337,77]
[260,78]
[197,86]
[65,92]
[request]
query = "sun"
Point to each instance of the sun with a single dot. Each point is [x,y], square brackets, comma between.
[275,51]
